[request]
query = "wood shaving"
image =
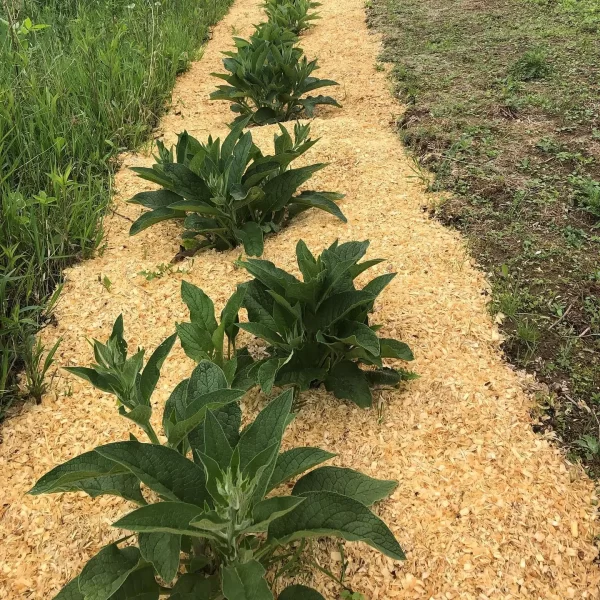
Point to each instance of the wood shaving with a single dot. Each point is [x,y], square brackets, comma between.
[485,508]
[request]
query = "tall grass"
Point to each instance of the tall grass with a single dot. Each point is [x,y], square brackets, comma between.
[80,80]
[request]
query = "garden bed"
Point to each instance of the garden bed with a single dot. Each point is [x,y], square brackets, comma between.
[485,508]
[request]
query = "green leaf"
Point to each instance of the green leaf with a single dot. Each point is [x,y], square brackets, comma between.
[155,199]
[195,586]
[271,508]
[229,314]
[93,474]
[391,348]
[328,513]
[295,461]
[140,415]
[206,377]
[106,572]
[384,376]
[163,517]
[267,273]
[162,469]
[162,550]
[321,200]
[347,482]
[357,334]
[336,307]
[377,285]
[251,235]
[348,382]
[311,102]
[198,409]
[195,340]
[70,591]
[245,582]
[98,380]
[306,261]
[264,332]
[152,217]
[140,585]
[265,431]
[280,189]
[267,373]
[151,373]
[201,307]
[299,592]
[216,444]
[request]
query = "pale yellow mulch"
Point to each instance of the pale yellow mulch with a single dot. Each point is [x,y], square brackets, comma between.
[485,508]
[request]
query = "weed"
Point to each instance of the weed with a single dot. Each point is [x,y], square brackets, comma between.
[531,66]
[162,270]
[58,146]
[36,367]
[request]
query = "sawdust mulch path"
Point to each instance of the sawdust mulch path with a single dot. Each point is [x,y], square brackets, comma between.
[485,508]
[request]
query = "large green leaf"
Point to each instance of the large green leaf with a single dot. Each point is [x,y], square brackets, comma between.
[299,592]
[262,434]
[162,469]
[391,348]
[152,217]
[151,373]
[266,272]
[321,200]
[295,461]
[336,307]
[105,383]
[205,378]
[91,473]
[266,510]
[162,550]
[70,591]
[155,199]
[245,582]
[348,382]
[280,189]
[251,236]
[357,334]
[195,340]
[347,482]
[106,572]
[195,586]
[264,332]
[216,444]
[328,513]
[163,517]
[140,585]
[201,307]
[197,408]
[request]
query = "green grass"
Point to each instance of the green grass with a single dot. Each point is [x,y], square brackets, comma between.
[502,107]
[80,80]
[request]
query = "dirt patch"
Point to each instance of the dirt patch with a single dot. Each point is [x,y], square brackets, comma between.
[512,132]
[485,507]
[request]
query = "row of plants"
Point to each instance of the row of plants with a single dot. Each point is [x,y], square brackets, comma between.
[217,516]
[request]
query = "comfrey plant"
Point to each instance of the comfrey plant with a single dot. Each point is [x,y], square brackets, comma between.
[215,526]
[228,193]
[268,78]
[317,330]
[292,15]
